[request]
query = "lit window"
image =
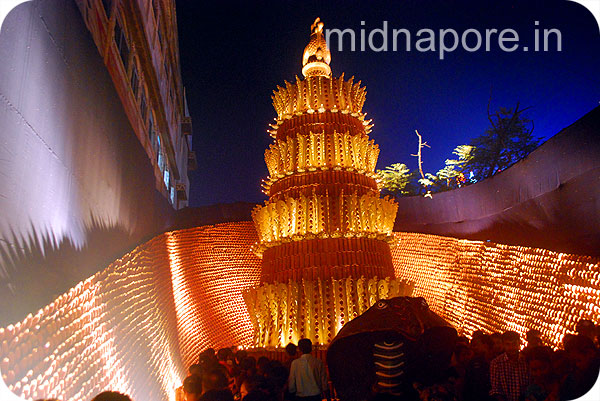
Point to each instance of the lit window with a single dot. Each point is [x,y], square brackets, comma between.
[167,177]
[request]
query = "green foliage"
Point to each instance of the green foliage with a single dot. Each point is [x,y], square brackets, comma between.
[396,179]
[452,175]
[508,140]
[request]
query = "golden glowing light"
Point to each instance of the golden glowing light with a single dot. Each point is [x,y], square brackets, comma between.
[283,313]
[494,287]
[339,151]
[324,216]
[318,94]
[111,331]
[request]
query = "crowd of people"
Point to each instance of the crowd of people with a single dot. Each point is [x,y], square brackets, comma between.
[488,367]
[492,367]
[227,376]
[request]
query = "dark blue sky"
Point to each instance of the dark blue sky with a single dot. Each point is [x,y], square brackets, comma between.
[234,54]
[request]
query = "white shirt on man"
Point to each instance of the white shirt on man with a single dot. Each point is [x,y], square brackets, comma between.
[307,376]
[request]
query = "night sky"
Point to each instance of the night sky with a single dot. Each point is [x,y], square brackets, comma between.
[234,54]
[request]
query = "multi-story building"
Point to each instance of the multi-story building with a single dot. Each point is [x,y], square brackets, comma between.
[138,42]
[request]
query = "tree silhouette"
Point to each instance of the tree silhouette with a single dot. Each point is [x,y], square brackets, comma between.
[508,140]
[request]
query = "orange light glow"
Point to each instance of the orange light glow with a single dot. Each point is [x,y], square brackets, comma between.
[495,287]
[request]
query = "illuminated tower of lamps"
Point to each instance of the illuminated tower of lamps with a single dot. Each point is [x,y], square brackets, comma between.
[324,234]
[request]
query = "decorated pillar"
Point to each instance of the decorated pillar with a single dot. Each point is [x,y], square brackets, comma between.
[325,232]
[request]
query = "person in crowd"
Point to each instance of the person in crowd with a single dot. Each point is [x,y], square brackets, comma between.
[255,388]
[247,370]
[226,359]
[477,333]
[277,377]
[239,356]
[208,359]
[508,372]
[461,357]
[262,365]
[291,352]
[586,366]
[192,388]
[586,328]
[111,396]
[215,379]
[477,375]
[195,369]
[308,379]
[534,340]
[544,385]
[497,347]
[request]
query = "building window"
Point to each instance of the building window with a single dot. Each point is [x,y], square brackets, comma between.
[135,83]
[159,155]
[151,130]
[167,177]
[155,7]
[143,106]
[122,46]
[106,4]
[160,39]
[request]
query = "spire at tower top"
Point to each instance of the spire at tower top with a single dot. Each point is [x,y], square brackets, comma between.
[316,57]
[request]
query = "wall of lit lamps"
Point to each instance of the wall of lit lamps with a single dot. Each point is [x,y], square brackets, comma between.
[136,325]
[495,287]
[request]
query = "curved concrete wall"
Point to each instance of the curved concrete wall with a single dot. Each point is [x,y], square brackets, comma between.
[76,187]
[137,324]
[549,200]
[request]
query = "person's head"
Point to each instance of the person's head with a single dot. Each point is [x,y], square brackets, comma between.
[291,349]
[540,363]
[214,379]
[561,363]
[111,396]
[582,352]
[248,363]
[195,369]
[225,355]
[207,358]
[262,365]
[192,388]
[240,355]
[482,345]
[497,347]
[462,354]
[586,327]
[511,342]
[305,346]
[476,334]
[534,338]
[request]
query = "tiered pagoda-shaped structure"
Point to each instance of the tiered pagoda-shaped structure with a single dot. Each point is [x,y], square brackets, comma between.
[325,233]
